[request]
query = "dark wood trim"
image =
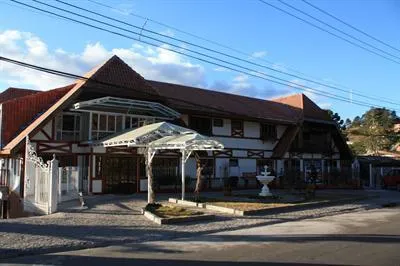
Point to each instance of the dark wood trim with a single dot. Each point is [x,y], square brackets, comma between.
[233,137]
[62,147]
[53,129]
[184,111]
[225,152]
[255,154]
[244,149]
[45,134]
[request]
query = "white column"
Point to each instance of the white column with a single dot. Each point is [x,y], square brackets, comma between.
[53,183]
[183,173]
[149,179]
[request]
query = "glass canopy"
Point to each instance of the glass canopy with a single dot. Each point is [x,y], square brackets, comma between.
[127,106]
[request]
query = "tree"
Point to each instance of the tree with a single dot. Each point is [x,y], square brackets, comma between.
[199,170]
[356,122]
[339,121]
[377,127]
[347,123]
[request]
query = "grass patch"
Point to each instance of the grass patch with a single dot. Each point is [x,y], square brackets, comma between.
[249,206]
[165,211]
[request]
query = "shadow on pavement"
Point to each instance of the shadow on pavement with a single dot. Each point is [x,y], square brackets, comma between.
[89,260]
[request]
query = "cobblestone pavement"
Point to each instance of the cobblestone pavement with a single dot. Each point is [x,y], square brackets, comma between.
[113,219]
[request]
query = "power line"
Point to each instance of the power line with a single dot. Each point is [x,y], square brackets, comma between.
[79,77]
[329,32]
[196,52]
[205,48]
[349,25]
[335,28]
[251,73]
[202,47]
[291,69]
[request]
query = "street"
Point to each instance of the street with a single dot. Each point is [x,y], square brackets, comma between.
[369,237]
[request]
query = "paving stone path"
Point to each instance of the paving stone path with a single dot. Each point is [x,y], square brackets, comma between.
[116,219]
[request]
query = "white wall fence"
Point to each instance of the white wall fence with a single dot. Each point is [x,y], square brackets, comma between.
[47,184]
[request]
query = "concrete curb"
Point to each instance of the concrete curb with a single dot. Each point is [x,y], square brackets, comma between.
[275,210]
[174,220]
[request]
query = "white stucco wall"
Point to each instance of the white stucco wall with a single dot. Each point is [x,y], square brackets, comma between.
[251,129]
[47,128]
[280,129]
[220,164]
[243,143]
[190,167]
[225,130]
[247,165]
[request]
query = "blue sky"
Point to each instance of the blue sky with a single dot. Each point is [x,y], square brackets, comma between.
[249,26]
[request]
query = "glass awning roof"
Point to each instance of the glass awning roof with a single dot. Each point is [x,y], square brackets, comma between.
[127,106]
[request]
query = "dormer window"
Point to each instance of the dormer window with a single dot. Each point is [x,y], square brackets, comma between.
[68,127]
[268,132]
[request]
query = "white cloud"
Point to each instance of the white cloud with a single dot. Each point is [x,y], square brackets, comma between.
[152,63]
[259,54]
[221,69]
[94,54]
[325,105]
[168,32]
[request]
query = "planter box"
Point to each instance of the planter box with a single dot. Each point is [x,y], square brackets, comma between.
[186,203]
[274,210]
[174,220]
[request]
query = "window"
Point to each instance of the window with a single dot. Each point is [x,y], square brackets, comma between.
[68,127]
[237,128]
[134,122]
[268,132]
[104,125]
[218,122]
[233,163]
[201,125]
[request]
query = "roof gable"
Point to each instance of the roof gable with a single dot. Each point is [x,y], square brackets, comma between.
[310,110]
[114,77]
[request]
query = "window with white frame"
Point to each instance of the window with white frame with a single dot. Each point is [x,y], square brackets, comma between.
[68,127]
[104,125]
[135,122]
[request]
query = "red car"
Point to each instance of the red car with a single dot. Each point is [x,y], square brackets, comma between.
[392,179]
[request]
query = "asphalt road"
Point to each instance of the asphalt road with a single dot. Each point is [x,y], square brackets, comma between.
[361,238]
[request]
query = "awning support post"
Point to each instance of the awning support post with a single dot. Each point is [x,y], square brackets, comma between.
[183,173]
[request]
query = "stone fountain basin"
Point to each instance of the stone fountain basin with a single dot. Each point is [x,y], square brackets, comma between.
[265,179]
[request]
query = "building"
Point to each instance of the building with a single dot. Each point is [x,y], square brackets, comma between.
[288,134]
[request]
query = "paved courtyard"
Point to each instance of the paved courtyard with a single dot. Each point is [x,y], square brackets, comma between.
[111,219]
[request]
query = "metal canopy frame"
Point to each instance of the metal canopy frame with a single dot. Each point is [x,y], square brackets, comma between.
[127,106]
[163,136]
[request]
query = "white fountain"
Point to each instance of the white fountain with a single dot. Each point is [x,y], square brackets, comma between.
[265,178]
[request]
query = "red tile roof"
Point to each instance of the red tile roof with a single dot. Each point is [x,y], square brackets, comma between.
[29,108]
[13,93]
